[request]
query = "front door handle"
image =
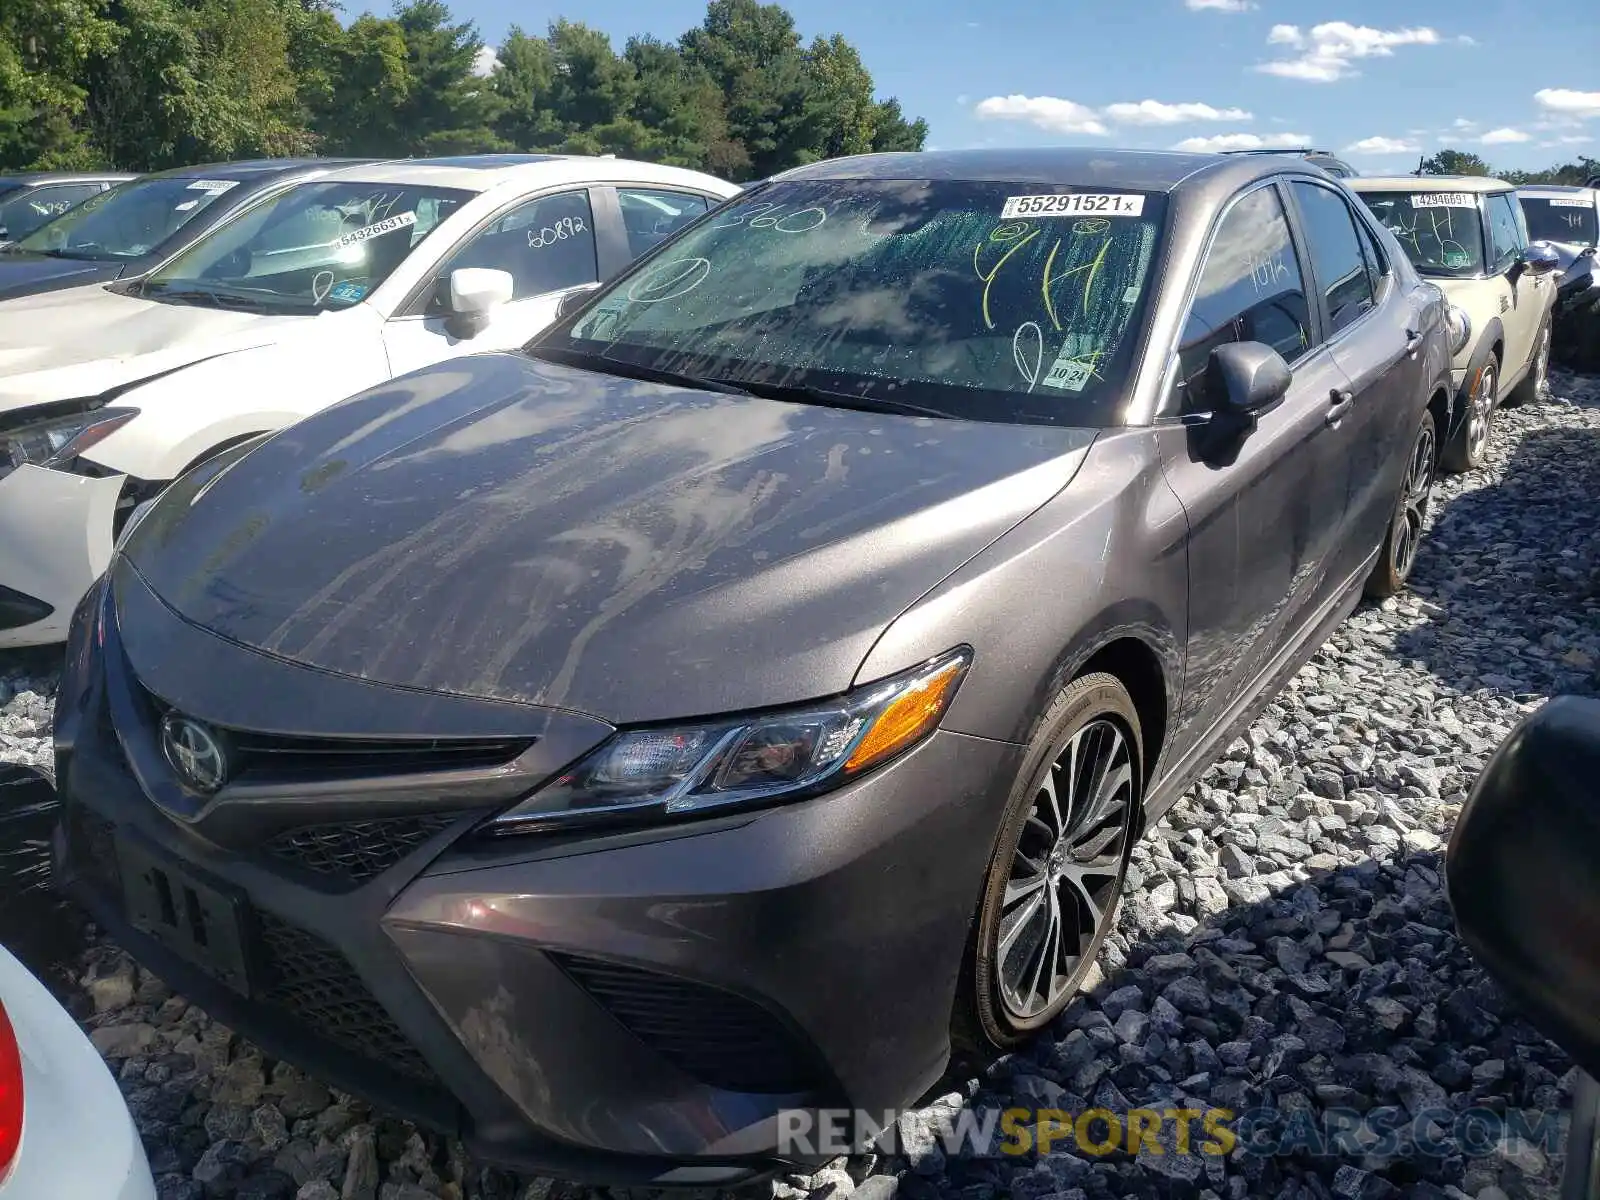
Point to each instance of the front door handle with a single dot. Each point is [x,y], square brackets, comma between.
[1413,337]
[1341,402]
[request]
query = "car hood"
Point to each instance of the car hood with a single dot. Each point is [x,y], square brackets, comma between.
[516,530]
[23,274]
[81,341]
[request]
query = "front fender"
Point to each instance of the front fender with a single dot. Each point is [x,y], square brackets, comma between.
[185,414]
[1103,559]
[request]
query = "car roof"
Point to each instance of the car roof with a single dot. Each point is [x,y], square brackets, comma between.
[484,172]
[38,177]
[258,167]
[1477,184]
[1559,191]
[1143,170]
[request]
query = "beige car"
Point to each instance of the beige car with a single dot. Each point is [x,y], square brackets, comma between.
[1469,236]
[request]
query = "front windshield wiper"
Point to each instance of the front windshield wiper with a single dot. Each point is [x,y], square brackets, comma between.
[232,300]
[805,394]
[800,394]
[612,366]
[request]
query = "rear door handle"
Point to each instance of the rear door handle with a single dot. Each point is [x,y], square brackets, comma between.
[1341,402]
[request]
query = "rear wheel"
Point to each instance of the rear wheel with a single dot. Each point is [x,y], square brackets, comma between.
[1051,893]
[1399,553]
[1532,388]
[1466,450]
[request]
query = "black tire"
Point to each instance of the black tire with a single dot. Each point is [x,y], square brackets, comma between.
[1532,388]
[1465,451]
[1400,545]
[988,1019]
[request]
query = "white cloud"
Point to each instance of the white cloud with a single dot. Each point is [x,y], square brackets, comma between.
[1327,53]
[486,62]
[1574,139]
[1068,116]
[1383,145]
[1503,137]
[1047,112]
[1243,141]
[1569,102]
[1154,112]
[1230,6]
[1463,123]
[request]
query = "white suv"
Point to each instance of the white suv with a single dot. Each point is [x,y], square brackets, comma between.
[1469,236]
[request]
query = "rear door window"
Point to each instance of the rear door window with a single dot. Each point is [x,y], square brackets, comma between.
[1337,257]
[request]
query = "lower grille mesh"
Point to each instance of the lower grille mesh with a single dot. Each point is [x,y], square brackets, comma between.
[348,853]
[311,981]
[716,1037]
[94,851]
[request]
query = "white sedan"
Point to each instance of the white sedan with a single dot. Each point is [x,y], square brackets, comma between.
[64,1129]
[324,289]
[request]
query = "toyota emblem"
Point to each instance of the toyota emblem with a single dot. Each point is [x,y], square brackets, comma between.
[195,752]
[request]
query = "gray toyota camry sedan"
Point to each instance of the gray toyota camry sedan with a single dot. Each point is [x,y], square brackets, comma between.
[746,698]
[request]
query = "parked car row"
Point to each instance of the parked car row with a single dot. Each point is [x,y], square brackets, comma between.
[590,660]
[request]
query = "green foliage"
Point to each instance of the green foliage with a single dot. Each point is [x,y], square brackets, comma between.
[146,84]
[1453,162]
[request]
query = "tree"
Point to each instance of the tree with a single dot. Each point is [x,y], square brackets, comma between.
[1453,162]
[146,84]
[45,47]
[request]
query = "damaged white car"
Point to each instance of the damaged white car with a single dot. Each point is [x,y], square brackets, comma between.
[108,393]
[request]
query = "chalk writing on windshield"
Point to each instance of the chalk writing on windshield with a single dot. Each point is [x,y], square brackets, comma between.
[767,215]
[669,280]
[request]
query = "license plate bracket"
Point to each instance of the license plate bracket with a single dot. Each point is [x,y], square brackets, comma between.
[188,916]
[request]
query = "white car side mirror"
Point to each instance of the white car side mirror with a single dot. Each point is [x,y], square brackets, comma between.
[477,291]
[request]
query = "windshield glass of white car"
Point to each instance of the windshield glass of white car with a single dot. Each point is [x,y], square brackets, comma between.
[1560,220]
[313,248]
[128,221]
[1441,232]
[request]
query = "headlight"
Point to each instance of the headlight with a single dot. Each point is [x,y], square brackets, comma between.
[52,440]
[1460,326]
[755,759]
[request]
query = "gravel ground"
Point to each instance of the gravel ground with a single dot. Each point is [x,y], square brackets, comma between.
[1284,944]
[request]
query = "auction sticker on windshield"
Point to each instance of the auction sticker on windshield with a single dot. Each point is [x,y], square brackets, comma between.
[378,228]
[1077,204]
[215,186]
[1443,200]
[1570,203]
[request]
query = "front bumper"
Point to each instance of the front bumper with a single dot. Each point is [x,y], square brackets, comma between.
[55,540]
[632,1007]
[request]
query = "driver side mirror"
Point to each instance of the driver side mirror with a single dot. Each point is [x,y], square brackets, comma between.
[1540,260]
[475,293]
[575,299]
[1520,872]
[1246,379]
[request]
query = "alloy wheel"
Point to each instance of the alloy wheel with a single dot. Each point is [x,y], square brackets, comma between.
[1066,870]
[1482,412]
[1415,495]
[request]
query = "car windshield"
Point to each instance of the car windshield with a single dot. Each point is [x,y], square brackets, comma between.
[22,210]
[987,301]
[1560,219]
[1441,232]
[128,221]
[314,247]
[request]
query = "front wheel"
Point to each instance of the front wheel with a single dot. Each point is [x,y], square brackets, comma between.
[1532,388]
[1051,893]
[1400,545]
[1467,449]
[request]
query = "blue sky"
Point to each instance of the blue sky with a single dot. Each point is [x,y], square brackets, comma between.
[1378,81]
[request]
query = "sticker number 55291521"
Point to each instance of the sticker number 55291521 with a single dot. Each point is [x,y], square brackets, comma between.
[1077,204]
